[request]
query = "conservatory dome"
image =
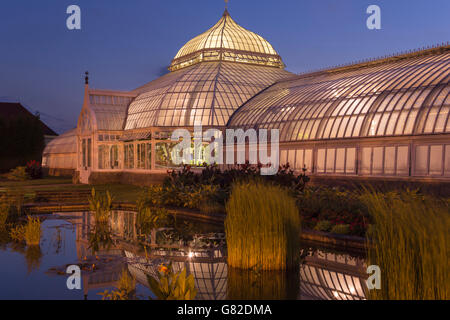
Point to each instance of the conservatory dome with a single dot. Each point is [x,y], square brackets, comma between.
[227,41]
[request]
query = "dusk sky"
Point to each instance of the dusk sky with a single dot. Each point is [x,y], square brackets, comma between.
[124,44]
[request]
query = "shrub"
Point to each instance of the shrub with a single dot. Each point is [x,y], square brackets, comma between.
[410,245]
[334,205]
[341,229]
[262,227]
[323,225]
[18,174]
[34,169]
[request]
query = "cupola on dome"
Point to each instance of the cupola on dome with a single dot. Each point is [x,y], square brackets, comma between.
[227,41]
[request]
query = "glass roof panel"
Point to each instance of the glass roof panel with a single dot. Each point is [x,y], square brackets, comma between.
[390,98]
[227,41]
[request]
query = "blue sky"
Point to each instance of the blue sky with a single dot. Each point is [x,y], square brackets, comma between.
[125,44]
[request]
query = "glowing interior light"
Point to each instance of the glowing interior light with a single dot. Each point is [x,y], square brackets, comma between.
[190,254]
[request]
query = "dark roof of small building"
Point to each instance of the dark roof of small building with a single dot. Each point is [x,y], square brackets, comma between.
[10,110]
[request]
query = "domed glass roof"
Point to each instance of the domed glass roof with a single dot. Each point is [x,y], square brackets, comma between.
[227,41]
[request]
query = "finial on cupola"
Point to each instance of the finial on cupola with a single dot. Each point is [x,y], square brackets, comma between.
[86,78]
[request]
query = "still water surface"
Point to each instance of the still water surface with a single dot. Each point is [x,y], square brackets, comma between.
[67,238]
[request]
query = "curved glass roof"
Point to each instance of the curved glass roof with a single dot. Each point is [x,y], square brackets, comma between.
[390,98]
[206,93]
[227,41]
[63,144]
[110,110]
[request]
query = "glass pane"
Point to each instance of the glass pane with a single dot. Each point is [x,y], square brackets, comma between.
[421,165]
[283,157]
[350,161]
[366,160]
[291,158]
[447,160]
[299,160]
[436,160]
[340,160]
[389,161]
[402,161]
[321,160]
[377,167]
[308,160]
[330,160]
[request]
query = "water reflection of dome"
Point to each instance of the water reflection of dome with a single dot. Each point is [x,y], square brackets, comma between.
[323,276]
[328,276]
[210,277]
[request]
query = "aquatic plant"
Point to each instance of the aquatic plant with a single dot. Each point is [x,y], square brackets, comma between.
[100,237]
[170,285]
[30,233]
[126,287]
[17,233]
[410,245]
[149,218]
[100,205]
[262,227]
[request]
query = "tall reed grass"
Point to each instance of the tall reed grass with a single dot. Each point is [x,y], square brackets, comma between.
[100,205]
[262,227]
[410,245]
[30,233]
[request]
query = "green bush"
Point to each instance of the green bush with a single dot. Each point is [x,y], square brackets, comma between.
[323,225]
[410,245]
[262,227]
[334,205]
[341,229]
[18,174]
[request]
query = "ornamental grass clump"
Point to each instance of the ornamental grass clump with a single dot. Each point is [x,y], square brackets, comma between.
[30,233]
[262,227]
[410,245]
[100,205]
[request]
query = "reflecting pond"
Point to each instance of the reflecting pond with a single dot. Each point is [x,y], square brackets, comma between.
[104,253]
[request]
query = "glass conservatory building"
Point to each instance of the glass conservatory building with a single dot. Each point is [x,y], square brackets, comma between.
[382,118]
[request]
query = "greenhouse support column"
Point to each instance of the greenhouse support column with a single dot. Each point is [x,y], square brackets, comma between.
[153,153]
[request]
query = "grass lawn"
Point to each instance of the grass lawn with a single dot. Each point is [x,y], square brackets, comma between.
[4,183]
[120,192]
